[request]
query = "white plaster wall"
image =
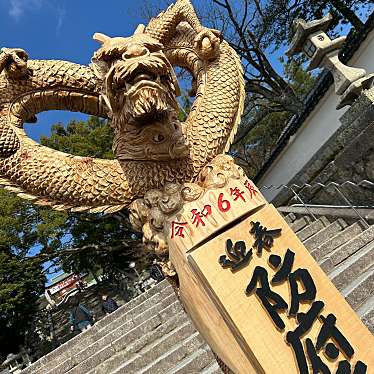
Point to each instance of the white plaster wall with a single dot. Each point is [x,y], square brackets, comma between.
[315,131]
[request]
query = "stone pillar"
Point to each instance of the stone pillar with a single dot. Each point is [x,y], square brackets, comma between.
[314,43]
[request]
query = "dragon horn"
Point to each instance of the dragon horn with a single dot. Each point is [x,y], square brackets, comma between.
[140,29]
[101,38]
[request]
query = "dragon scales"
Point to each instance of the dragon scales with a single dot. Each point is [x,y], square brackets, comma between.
[132,82]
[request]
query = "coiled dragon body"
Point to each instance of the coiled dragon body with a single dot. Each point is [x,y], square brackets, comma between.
[67,182]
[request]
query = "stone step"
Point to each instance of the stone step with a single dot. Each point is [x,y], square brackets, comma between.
[366,313]
[129,350]
[150,348]
[339,239]
[213,368]
[93,355]
[349,270]
[195,362]
[360,290]
[120,319]
[171,358]
[161,289]
[300,223]
[312,228]
[290,217]
[325,234]
[346,250]
[125,312]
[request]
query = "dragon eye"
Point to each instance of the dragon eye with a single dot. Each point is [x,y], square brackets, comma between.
[158,138]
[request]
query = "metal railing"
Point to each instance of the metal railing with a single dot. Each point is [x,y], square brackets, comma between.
[296,190]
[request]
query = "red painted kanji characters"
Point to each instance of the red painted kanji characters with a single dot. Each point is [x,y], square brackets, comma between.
[237,193]
[198,217]
[250,188]
[177,229]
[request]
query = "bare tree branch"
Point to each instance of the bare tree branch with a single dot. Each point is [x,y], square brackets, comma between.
[247,126]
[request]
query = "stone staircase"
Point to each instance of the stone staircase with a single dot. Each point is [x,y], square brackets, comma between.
[346,253]
[152,333]
[149,334]
[91,299]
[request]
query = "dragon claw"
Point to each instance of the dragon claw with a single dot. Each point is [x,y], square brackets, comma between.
[207,43]
[15,62]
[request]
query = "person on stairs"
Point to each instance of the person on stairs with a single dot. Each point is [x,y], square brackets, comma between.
[156,272]
[80,317]
[108,305]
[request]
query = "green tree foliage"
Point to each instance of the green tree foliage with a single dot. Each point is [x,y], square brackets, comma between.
[185,106]
[24,230]
[91,138]
[101,245]
[23,226]
[22,281]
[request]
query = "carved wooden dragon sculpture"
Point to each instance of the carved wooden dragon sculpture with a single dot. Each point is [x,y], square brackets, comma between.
[131,81]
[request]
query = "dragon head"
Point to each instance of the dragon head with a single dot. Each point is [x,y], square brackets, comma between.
[140,89]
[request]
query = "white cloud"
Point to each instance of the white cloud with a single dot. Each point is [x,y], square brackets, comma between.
[17,8]
[61,12]
[20,8]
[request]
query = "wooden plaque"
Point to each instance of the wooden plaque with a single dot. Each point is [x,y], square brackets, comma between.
[239,326]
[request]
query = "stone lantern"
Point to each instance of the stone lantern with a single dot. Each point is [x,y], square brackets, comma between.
[311,39]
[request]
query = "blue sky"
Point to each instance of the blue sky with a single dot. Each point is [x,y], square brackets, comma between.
[62,29]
